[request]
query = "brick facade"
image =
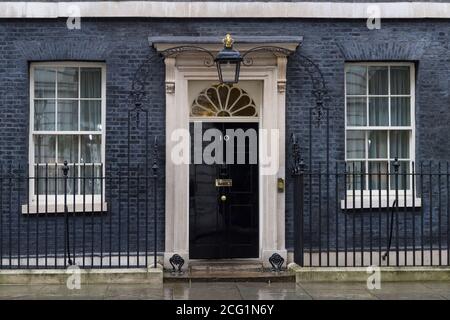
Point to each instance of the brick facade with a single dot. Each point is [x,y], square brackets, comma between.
[122,44]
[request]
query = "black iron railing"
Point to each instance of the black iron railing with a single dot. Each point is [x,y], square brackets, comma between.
[347,217]
[89,215]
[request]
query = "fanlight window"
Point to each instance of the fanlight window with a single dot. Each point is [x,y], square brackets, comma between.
[223,100]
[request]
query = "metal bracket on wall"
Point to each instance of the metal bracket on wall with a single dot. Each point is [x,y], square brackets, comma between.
[146,70]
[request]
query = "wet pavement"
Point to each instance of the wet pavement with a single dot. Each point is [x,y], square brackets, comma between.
[233,291]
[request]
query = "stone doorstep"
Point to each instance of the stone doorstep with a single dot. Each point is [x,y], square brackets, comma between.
[230,276]
[232,270]
[233,265]
[361,274]
[150,276]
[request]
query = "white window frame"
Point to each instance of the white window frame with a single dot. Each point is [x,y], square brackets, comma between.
[356,200]
[51,203]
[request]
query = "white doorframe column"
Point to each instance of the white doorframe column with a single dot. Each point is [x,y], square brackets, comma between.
[176,192]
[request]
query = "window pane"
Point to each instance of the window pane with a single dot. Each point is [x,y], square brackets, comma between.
[356,80]
[44,181]
[44,83]
[378,111]
[399,144]
[67,148]
[90,115]
[67,82]
[44,149]
[249,111]
[378,80]
[91,149]
[355,175]
[377,144]
[400,111]
[72,184]
[91,83]
[356,111]
[378,175]
[44,115]
[356,144]
[55,178]
[400,80]
[93,179]
[67,115]
[403,176]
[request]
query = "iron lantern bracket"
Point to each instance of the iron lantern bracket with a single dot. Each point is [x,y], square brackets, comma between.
[141,78]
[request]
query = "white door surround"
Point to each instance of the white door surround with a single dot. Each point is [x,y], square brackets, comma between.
[270,70]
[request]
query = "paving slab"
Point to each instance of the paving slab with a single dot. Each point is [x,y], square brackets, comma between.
[233,291]
[407,291]
[19,291]
[205,291]
[444,286]
[341,291]
[137,292]
[88,291]
[272,291]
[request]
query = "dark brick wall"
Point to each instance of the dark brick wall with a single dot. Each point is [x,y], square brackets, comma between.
[122,44]
[396,41]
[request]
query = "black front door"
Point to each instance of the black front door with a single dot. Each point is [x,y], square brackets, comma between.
[223,196]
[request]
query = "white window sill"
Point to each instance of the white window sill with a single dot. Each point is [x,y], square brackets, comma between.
[378,202]
[79,207]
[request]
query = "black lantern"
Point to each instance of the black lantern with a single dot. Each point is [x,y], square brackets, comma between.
[228,62]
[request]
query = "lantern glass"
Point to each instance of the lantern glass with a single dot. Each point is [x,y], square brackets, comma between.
[228,71]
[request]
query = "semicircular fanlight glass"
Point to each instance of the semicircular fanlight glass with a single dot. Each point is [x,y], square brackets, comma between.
[223,100]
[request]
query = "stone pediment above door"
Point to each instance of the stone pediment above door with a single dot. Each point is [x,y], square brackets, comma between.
[211,43]
[214,45]
[208,47]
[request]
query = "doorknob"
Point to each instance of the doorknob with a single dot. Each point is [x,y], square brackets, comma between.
[223,198]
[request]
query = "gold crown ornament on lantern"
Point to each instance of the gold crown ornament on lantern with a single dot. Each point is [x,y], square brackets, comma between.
[228,41]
